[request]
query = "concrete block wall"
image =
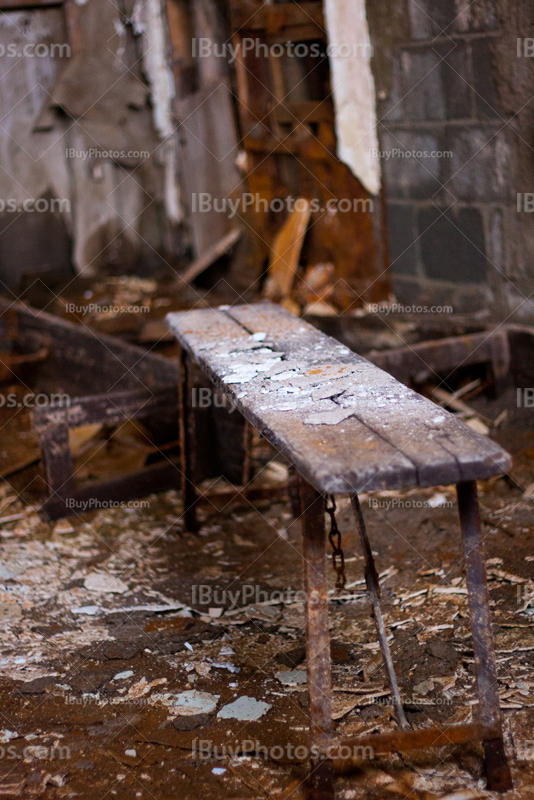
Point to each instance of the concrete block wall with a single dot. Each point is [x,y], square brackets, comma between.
[451,87]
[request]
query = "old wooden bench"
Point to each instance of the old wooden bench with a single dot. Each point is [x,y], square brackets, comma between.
[349,427]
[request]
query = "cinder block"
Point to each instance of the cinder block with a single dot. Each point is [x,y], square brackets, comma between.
[452,245]
[456,78]
[475,15]
[480,167]
[438,82]
[390,101]
[401,237]
[424,98]
[485,94]
[408,177]
[430,18]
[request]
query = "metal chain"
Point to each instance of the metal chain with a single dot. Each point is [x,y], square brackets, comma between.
[334,537]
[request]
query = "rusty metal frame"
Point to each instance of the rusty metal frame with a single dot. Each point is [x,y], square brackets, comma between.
[498,773]
[186,421]
[247,457]
[317,641]
[373,587]
[332,756]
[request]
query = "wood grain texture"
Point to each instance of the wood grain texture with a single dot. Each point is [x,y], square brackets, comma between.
[345,424]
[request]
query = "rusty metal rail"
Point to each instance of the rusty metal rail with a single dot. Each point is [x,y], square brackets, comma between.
[497,769]
[373,587]
[317,641]
[349,753]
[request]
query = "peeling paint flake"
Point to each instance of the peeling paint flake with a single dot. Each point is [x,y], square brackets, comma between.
[244,708]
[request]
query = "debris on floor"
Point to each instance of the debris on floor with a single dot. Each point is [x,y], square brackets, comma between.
[110,645]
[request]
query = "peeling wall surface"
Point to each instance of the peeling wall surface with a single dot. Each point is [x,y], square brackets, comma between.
[452,89]
[208,138]
[31,166]
[353,89]
[161,82]
[78,133]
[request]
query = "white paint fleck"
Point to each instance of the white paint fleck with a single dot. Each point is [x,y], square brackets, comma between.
[244,708]
[102,582]
[225,665]
[120,676]
[189,703]
[291,677]
[90,611]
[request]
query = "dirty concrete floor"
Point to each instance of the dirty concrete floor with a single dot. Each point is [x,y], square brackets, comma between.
[90,667]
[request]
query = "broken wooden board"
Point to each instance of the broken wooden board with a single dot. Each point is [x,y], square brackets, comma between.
[211,255]
[423,360]
[286,252]
[345,424]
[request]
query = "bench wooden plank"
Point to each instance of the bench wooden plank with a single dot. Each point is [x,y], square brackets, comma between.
[432,439]
[345,424]
[325,460]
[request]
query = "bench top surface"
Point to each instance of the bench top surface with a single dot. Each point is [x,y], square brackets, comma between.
[345,424]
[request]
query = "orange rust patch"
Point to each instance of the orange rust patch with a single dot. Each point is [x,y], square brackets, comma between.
[179,624]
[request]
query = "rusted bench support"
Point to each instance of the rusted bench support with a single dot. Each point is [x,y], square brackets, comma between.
[317,641]
[373,587]
[497,770]
[187,437]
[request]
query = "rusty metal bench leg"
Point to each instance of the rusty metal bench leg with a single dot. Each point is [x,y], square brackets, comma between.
[247,457]
[317,641]
[293,488]
[189,496]
[498,773]
[373,587]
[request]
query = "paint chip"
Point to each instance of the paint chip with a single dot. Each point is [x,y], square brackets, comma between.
[291,677]
[244,708]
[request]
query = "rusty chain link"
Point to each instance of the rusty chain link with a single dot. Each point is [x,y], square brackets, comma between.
[334,537]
